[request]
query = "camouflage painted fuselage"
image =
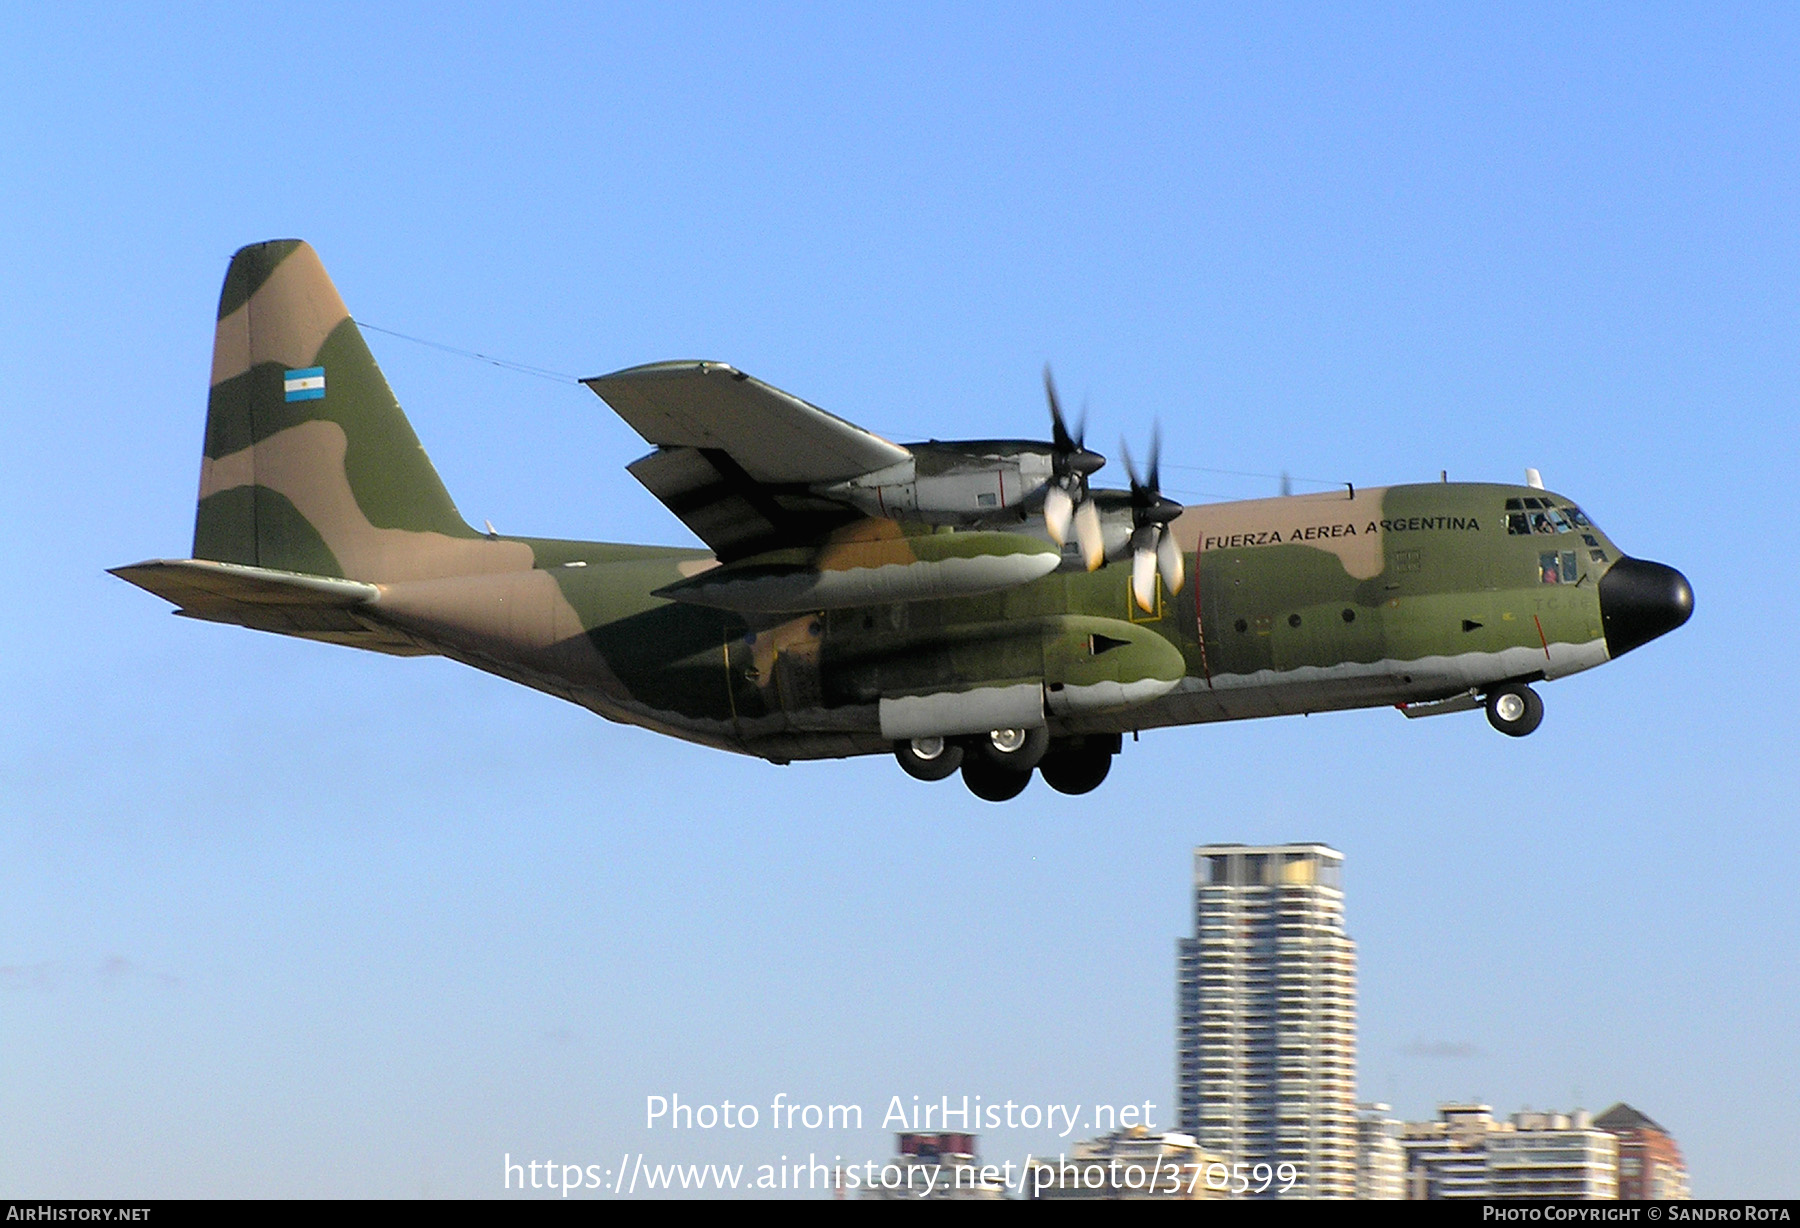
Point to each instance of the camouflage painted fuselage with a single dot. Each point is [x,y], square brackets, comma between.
[1304,604]
[320,516]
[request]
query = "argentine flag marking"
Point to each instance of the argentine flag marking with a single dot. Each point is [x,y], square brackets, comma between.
[306,384]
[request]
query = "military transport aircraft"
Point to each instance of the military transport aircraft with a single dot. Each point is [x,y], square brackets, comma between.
[948,603]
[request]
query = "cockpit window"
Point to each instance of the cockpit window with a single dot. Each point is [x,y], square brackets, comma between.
[1529,516]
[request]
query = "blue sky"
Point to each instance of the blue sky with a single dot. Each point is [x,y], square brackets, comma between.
[282,918]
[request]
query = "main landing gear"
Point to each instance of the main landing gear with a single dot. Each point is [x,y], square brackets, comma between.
[1514,709]
[996,766]
[929,758]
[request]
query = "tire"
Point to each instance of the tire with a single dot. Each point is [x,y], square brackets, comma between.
[991,782]
[1075,770]
[1017,750]
[1514,709]
[929,758]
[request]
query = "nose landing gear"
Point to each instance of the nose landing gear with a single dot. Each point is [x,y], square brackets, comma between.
[1514,709]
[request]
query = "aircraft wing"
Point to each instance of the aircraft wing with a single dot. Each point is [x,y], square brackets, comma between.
[735,458]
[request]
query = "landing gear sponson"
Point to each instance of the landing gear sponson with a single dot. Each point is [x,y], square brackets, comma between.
[997,765]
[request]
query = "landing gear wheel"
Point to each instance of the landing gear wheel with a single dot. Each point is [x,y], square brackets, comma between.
[991,782]
[928,758]
[1514,709]
[1017,750]
[1074,770]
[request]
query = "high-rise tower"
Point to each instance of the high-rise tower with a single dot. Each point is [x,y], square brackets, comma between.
[1266,1038]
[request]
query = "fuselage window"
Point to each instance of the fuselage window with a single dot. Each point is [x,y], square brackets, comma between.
[1554,568]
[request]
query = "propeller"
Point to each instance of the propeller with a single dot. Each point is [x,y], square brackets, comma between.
[1153,546]
[1066,501]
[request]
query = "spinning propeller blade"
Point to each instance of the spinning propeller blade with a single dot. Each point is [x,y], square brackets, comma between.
[1067,497]
[1089,533]
[1059,505]
[1153,547]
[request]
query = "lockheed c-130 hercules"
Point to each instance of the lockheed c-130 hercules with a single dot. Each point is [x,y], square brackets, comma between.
[949,603]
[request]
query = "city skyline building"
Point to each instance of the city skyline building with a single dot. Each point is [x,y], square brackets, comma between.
[1447,1158]
[1553,1155]
[1380,1160]
[1650,1162]
[1266,1014]
[936,1166]
[1131,1165]
[1466,1153]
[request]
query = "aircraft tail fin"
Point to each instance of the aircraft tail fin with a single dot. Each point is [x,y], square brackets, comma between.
[310,464]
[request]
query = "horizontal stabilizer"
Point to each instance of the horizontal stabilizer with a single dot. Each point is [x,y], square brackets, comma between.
[287,602]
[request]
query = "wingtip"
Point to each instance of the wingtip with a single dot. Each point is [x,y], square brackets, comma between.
[658,370]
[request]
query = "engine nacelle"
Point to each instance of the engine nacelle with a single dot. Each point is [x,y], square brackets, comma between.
[951,484]
[873,564]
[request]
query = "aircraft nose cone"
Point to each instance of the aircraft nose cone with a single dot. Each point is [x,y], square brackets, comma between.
[1640,600]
